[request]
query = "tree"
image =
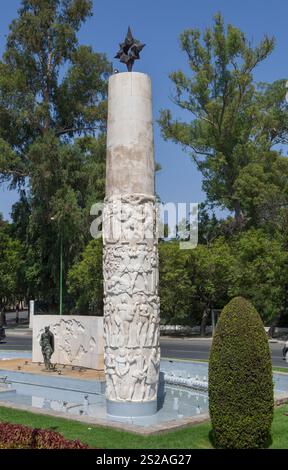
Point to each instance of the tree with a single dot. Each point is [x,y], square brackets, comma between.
[240,379]
[262,188]
[175,286]
[11,263]
[192,282]
[35,96]
[208,225]
[85,280]
[233,121]
[52,133]
[261,273]
[211,270]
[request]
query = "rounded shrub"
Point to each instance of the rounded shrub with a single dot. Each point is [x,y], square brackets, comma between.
[240,379]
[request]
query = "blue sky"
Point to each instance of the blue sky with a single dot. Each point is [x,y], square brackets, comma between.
[159,23]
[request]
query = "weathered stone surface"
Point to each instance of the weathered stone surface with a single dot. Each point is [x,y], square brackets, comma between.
[130,157]
[78,339]
[130,264]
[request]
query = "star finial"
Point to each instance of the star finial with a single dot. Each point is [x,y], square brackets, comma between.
[129,50]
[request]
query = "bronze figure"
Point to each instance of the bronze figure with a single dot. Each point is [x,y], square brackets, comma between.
[47,347]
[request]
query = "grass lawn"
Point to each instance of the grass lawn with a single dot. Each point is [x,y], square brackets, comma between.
[280,369]
[194,437]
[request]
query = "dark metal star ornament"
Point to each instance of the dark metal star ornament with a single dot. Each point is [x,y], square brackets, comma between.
[129,50]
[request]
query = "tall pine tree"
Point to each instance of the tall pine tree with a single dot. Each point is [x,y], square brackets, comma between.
[235,124]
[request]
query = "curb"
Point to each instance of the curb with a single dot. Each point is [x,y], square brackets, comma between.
[11,332]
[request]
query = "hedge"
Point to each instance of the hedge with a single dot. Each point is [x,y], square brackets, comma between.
[240,379]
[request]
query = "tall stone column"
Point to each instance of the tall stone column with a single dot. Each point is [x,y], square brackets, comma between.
[130,266]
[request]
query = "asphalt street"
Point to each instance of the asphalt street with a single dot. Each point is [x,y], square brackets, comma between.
[174,348]
[16,342]
[199,349]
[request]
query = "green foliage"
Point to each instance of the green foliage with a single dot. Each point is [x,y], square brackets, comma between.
[262,187]
[196,436]
[251,264]
[85,279]
[53,106]
[64,187]
[240,379]
[273,125]
[211,269]
[261,269]
[35,95]
[208,225]
[52,135]
[233,122]
[10,163]
[11,263]
[192,282]
[175,286]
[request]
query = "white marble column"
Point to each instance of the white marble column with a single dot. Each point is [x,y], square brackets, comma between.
[130,266]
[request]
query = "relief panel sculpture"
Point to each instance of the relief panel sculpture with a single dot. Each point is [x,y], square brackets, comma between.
[131,302]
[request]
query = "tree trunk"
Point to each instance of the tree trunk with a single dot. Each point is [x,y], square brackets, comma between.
[271,331]
[238,214]
[205,316]
[17,315]
[3,317]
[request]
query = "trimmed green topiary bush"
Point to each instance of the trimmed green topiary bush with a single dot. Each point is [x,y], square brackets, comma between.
[240,379]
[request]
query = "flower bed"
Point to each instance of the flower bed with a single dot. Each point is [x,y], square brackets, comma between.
[16,436]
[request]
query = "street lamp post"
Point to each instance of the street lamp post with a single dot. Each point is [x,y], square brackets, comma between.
[61,273]
[61,276]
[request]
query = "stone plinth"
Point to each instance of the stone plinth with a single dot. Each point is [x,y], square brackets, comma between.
[78,339]
[130,265]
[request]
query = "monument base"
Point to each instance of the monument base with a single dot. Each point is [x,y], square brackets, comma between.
[131,409]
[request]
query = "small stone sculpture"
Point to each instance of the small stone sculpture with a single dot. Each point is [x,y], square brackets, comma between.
[47,347]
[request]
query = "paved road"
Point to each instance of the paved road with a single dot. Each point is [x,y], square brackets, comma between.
[11,317]
[199,349]
[173,348]
[16,342]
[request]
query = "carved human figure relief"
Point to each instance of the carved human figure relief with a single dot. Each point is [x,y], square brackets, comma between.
[143,312]
[111,382]
[137,376]
[133,338]
[123,318]
[149,221]
[153,336]
[152,374]
[122,371]
[108,322]
[131,304]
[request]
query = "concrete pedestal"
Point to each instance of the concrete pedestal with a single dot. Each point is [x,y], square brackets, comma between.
[130,266]
[31,312]
[132,408]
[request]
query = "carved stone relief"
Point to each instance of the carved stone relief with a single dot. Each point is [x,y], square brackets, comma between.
[131,302]
[78,339]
